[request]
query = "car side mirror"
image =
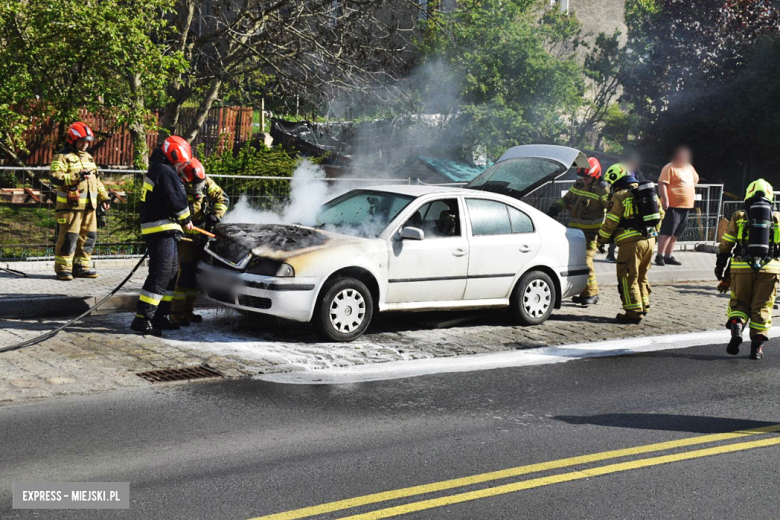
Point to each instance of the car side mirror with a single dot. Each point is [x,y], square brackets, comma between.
[412,233]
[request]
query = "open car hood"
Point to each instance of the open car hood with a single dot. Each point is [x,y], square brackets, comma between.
[524,169]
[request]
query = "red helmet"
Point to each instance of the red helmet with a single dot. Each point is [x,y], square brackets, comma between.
[594,170]
[177,150]
[78,131]
[193,172]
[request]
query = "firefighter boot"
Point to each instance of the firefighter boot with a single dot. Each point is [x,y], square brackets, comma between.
[163,323]
[736,327]
[631,317]
[179,319]
[65,276]
[192,317]
[756,349]
[84,272]
[189,313]
[586,300]
[144,326]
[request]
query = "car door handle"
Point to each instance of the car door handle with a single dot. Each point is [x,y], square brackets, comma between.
[459,252]
[525,249]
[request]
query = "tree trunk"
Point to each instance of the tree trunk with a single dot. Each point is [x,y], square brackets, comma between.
[209,97]
[138,128]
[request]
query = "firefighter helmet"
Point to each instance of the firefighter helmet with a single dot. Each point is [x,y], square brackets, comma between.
[760,186]
[593,171]
[79,131]
[615,173]
[193,172]
[177,150]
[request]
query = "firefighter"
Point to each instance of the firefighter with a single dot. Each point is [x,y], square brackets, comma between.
[632,220]
[587,200]
[164,212]
[208,204]
[79,192]
[752,244]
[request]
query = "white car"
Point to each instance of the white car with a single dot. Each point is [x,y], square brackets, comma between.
[408,248]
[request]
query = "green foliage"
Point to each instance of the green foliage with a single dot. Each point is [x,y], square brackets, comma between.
[255,162]
[519,76]
[60,57]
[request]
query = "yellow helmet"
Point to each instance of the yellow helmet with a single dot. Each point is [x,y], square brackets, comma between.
[760,186]
[615,173]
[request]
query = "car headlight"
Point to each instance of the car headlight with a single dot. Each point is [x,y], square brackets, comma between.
[285,270]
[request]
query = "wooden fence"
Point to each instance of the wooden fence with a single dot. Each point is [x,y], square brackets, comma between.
[223,128]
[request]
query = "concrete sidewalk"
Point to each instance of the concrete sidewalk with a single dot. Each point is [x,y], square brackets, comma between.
[41,295]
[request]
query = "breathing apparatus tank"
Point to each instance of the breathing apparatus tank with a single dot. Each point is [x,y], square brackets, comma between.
[648,215]
[759,230]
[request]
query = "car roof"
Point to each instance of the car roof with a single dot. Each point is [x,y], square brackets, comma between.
[413,190]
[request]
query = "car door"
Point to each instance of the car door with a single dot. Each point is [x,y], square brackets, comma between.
[502,239]
[434,268]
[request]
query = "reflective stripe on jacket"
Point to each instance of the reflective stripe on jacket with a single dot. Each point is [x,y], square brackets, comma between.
[621,211]
[587,203]
[66,170]
[737,234]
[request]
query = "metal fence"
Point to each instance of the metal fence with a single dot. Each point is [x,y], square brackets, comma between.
[702,224]
[28,225]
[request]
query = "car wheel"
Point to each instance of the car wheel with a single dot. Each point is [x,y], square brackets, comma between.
[344,310]
[533,299]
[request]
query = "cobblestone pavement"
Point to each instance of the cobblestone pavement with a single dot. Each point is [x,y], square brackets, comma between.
[99,354]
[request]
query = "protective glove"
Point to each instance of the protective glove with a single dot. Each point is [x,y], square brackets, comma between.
[212,219]
[553,211]
[721,262]
[601,248]
[724,286]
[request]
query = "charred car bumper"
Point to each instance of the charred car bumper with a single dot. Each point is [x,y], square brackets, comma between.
[287,297]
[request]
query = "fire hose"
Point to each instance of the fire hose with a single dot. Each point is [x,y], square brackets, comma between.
[50,334]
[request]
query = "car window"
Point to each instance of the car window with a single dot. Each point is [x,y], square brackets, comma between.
[488,217]
[362,212]
[437,219]
[521,223]
[512,177]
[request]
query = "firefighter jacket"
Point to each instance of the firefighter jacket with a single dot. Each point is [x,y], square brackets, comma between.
[67,169]
[619,223]
[217,203]
[587,203]
[736,237]
[164,205]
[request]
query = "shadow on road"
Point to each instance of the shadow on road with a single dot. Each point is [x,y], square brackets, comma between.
[666,422]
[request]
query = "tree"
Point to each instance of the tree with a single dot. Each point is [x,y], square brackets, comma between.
[693,76]
[60,57]
[312,49]
[518,77]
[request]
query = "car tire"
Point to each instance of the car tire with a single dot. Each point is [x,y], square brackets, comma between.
[344,310]
[533,299]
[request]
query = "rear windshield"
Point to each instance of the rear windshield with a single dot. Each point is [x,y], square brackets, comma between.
[513,177]
[362,212]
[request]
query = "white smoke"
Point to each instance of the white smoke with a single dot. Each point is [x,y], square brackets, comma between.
[308,191]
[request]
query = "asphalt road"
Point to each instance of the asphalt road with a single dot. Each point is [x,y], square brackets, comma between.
[243,449]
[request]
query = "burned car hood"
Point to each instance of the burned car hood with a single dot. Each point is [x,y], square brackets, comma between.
[523,169]
[273,241]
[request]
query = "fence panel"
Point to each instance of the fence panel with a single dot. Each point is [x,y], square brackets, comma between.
[28,224]
[224,128]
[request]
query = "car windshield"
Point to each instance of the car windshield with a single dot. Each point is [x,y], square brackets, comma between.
[361,212]
[514,177]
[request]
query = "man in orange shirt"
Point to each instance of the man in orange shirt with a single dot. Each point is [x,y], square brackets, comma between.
[677,187]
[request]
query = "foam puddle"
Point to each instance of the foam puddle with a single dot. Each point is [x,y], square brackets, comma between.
[513,358]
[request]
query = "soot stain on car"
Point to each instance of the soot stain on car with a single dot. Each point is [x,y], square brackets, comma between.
[236,240]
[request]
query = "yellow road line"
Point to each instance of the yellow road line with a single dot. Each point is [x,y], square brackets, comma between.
[565,477]
[510,472]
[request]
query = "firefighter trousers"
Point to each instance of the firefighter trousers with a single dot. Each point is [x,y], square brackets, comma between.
[155,298]
[752,300]
[185,291]
[76,236]
[593,287]
[633,263]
